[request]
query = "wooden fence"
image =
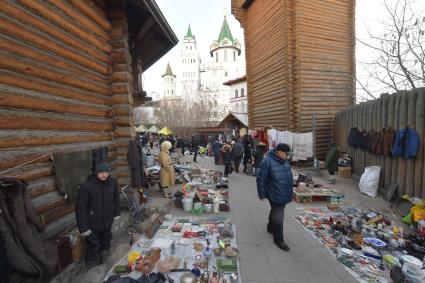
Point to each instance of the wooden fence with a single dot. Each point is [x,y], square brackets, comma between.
[398,111]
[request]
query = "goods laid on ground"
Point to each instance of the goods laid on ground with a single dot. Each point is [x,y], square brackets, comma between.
[372,248]
[203,190]
[192,249]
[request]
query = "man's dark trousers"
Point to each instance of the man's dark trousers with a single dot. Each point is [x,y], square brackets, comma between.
[196,154]
[275,225]
[237,162]
[97,242]
[217,159]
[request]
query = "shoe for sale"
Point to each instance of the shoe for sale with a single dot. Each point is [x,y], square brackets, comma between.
[282,245]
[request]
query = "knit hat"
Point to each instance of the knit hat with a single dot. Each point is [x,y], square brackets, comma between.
[283,147]
[102,167]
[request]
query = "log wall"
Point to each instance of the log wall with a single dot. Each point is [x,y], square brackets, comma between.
[397,111]
[300,60]
[65,86]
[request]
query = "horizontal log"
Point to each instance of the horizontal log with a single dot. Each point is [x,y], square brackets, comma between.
[122,110]
[32,83]
[125,121]
[23,16]
[41,123]
[18,160]
[56,227]
[41,186]
[121,98]
[73,26]
[57,213]
[124,76]
[33,140]
[112,156]
[122,132]
[48,201]
[122,142]
[44,42]
[32,171]
[121,161]
[122,181]
[94,12]
[121,88]
[31,67]
[13,100]
[18,156]
[24,50]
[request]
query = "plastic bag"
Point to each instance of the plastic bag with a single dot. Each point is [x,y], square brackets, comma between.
[369,181]
[418,213]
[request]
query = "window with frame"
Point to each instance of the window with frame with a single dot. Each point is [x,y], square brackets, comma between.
[242,92]
[236,93]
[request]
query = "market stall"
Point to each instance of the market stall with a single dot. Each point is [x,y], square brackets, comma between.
[183,250]
[372,248]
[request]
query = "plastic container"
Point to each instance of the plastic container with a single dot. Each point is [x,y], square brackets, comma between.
[187,204]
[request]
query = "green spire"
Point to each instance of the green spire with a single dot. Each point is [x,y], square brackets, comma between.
[168,71]
[189,32]
[225,32]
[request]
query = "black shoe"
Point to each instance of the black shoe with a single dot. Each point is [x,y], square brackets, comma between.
[282,245]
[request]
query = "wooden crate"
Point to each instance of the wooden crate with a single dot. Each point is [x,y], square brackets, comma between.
[344,172]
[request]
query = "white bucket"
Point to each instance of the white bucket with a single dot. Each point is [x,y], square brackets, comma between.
[187,204]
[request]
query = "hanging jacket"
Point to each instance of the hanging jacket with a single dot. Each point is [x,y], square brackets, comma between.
[20,229]
[352,137]
[135,161]
[388,141]
[274,179]
[406,143]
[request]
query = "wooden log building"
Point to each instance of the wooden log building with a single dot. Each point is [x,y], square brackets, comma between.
[300,60]
[69,79]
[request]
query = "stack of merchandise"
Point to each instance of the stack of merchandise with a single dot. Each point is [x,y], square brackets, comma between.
[368,243]
[197,249]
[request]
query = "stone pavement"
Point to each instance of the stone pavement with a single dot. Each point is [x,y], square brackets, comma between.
[260,260]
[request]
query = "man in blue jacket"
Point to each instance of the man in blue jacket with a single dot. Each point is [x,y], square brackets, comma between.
[275,183]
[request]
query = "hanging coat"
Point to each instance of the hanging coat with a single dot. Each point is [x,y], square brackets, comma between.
[20,228]
[135,160]
[167,176]
[406,143]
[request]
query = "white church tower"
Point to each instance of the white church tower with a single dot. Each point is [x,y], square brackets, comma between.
[224,65]
[169,83]
[190,60]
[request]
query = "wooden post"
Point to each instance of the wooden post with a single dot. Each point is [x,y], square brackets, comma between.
[411,122]
[420,128]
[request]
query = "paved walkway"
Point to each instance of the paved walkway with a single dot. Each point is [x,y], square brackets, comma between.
[260,260]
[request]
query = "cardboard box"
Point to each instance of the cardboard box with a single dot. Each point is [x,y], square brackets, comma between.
[344,172]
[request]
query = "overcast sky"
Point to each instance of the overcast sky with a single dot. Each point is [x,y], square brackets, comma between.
[206,17]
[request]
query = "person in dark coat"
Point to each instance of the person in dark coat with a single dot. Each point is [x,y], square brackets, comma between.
[258,156]
[331,162]
[247,156]
[227,159]
[96,208]
[237,152]
[136,162]
[216,147]
[275,183]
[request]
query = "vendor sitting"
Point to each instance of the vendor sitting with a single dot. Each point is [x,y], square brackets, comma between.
[166,174]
